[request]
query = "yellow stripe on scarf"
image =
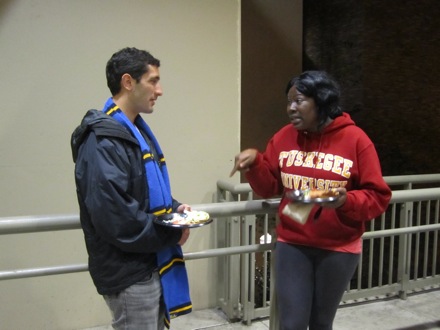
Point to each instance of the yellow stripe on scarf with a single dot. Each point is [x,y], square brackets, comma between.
[175,311]
[164,268]
[112,109]
[160,212]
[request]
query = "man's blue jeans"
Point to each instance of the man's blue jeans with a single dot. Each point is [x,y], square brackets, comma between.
[140,306]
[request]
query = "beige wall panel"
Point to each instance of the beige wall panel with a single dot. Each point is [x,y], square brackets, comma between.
[52,70]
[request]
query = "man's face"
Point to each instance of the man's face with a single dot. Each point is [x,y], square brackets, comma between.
[146,91]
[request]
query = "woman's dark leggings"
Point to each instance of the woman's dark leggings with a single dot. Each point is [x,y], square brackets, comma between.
[310,283]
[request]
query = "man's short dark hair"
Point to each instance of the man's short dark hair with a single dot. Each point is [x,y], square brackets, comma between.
[128,60]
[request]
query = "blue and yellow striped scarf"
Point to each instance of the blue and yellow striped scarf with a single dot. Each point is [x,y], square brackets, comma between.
[171,264]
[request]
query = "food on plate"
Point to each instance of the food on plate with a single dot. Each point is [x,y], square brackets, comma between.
[314,193]
[188,218]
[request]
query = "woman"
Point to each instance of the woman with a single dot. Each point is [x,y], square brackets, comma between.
[318,245]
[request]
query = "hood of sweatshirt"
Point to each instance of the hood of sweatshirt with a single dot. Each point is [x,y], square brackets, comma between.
[102,125]
[324,139]
[337,124]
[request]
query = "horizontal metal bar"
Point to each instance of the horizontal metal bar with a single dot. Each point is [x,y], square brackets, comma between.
[398,196]
[399,231]
[228,251]
[401,196]
[43,271]
[416,178]
[33,224]
[242,188]
[56,270]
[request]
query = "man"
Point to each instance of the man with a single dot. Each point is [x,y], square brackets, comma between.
[122,185]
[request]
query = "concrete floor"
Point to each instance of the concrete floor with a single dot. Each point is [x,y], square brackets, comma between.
[419,311]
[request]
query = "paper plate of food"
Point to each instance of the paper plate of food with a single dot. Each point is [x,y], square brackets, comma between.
[309,196]
[186,219]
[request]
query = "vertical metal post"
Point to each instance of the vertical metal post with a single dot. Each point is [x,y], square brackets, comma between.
[235,308]
[229,266]
[248,270]
[274,322]
[403,266]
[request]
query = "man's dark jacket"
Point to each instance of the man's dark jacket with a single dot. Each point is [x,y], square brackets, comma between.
[121,238]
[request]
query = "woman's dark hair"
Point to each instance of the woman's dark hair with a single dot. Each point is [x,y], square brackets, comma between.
[127,60]
[324,90]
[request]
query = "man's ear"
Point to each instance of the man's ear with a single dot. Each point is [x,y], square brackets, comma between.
[127,82]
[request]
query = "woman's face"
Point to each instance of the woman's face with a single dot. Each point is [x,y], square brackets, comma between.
[302,111]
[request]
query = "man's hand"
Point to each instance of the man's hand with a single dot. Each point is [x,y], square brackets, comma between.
[183,207]
[185,231]
[244,160]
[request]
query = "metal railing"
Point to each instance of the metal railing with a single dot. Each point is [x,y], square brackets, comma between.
[46,223]
[405,238]
[393,262]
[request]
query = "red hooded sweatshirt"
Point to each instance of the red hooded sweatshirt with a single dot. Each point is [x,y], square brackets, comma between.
[341,155]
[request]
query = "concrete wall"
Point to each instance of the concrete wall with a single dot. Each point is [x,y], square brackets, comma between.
[53,55]
[271,50]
